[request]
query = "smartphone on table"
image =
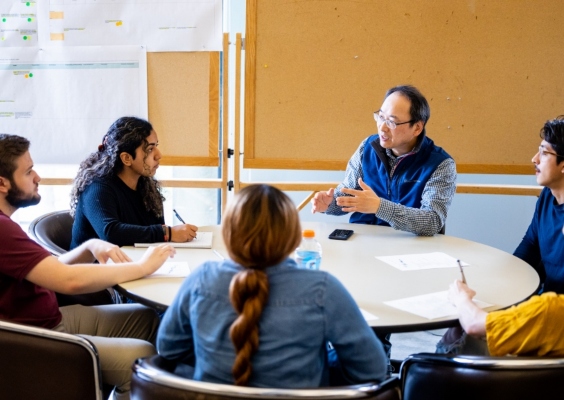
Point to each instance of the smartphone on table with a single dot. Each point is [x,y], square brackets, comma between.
[341,234]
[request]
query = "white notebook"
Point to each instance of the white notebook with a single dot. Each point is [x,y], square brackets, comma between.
[171,269]
[203,240]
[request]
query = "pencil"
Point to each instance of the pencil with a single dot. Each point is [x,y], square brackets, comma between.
[461,271]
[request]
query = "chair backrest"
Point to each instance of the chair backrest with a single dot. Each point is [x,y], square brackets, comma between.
[37,363]
[152,379]
[442,376]
[53,231]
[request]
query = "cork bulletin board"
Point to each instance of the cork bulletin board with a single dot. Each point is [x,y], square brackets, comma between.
[184,106]
[316,70]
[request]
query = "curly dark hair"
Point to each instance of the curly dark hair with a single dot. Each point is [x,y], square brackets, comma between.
[125,135]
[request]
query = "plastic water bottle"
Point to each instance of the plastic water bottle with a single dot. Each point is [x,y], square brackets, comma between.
[308,254]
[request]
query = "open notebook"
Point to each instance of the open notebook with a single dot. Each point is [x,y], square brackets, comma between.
[203,240]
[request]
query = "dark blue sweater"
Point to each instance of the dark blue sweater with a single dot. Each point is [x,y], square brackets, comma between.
[543,244]
[108,209]
[406,185]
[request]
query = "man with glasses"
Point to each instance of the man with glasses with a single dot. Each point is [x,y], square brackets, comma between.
[543,244]
[397,177]
[528,328]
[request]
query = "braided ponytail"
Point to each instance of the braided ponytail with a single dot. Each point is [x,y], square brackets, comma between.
[261,228]
[248,293]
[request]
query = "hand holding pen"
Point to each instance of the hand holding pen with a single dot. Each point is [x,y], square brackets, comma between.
[460,292]
[184,232]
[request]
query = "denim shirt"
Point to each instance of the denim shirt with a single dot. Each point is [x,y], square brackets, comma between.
[305,310]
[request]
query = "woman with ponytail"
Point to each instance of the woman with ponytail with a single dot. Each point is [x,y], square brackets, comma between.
[257,319]
[115,196]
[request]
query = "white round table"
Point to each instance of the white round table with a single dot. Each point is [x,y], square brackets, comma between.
[498,278]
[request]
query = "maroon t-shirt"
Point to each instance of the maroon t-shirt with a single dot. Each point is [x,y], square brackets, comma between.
[20,300]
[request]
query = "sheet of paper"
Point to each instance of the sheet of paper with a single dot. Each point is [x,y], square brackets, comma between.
[414,262]
[65,99]
[430,306]
[18,23]
[172,269]
[367,316]
[160,25]
[203,240]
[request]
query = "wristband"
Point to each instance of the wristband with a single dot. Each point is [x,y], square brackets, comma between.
[165,233]
[170,233]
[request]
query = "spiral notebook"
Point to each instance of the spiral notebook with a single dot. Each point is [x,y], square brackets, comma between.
[203,240]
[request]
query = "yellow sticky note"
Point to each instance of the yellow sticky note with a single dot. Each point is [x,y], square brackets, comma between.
[56,15]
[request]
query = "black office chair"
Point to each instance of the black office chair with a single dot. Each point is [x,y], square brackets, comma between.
[42,364]
[442,376]
[53,231]
[152,379]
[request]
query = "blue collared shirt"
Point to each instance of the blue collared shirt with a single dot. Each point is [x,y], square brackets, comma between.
[305,310]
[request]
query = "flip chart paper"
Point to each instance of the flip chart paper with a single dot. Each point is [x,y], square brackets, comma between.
[160,25]
[65,99]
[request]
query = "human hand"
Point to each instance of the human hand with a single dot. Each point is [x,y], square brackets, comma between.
[364,201]
[459,291]
[155,256]
[104,251]
[183,233]
[321,201]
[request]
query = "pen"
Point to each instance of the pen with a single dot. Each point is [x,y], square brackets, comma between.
[218,254]
[178,216]
[461,271]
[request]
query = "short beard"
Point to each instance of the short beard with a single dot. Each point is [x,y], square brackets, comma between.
[17,199]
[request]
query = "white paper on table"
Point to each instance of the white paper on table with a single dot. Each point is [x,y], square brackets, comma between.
[431,305]
[161,25]
[203,240]
[367,316]
[171,269]
[415,262]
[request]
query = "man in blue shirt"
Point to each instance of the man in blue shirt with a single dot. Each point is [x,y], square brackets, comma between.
[543,244]
[397,177]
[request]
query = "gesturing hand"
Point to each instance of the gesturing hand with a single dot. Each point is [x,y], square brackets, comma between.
[321,201]
[364,201]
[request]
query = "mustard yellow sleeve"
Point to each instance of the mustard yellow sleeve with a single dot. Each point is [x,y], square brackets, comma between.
[531,328]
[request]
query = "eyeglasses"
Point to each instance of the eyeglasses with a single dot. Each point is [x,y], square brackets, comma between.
[543,152]
[379,118]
